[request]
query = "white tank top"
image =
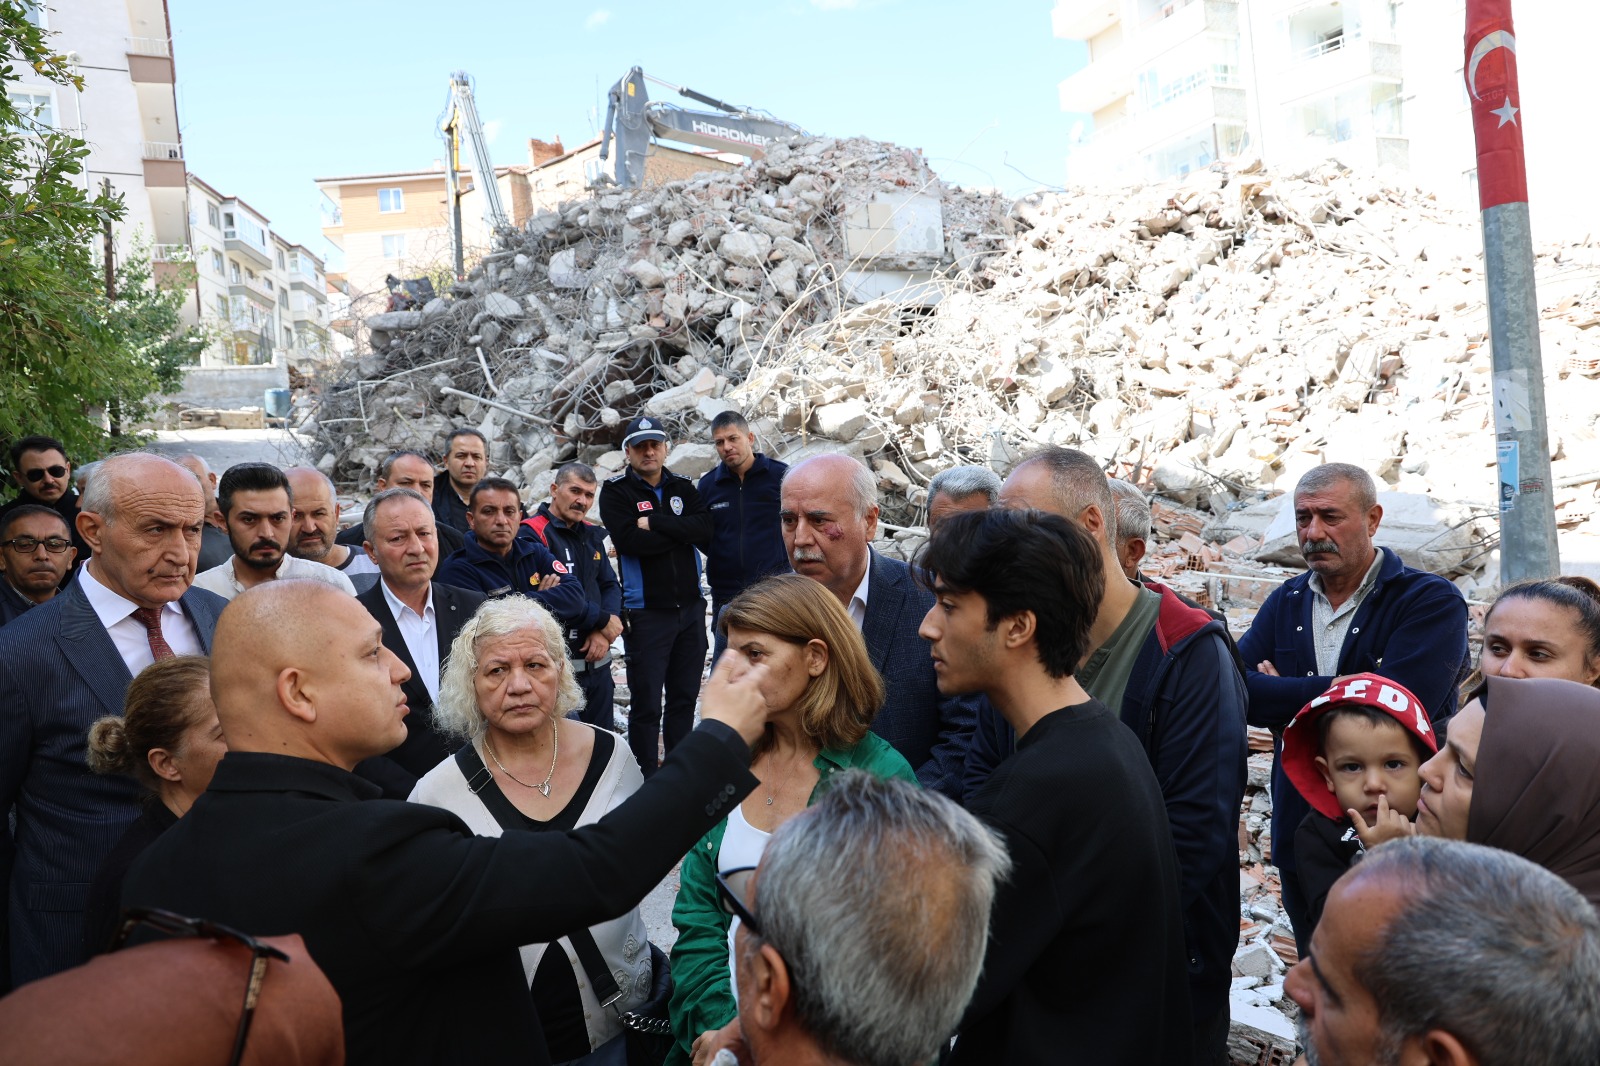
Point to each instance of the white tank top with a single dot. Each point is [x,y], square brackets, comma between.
[742,845]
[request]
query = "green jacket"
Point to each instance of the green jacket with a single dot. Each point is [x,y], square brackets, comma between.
[702,987]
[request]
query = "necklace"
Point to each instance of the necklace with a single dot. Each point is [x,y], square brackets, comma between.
[555,750]
[785,781]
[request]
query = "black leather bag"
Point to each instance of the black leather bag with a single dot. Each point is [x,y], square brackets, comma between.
[648,1030]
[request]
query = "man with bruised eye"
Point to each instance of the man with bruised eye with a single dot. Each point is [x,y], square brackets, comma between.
[829,513]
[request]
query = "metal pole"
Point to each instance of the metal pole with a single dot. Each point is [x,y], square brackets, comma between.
[1522,443]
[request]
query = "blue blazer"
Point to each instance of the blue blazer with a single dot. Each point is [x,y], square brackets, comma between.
[932,732]
[59,671]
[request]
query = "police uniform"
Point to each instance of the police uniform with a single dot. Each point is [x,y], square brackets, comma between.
[666,615]
[581,550]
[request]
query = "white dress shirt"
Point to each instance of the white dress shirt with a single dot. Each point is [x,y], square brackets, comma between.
[129,635]
[421,634]
[858,599]
[222,580]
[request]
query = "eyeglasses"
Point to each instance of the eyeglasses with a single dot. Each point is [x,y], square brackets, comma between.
[28,545]
[37,473]
[178,926]
[733,888]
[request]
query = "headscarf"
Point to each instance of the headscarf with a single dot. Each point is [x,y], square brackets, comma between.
[1536,784]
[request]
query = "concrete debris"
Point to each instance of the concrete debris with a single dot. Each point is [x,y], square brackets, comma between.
[1210,338]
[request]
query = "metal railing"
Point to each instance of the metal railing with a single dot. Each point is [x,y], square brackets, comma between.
[149,46]
[1322,48]
[163,150]
[171,253]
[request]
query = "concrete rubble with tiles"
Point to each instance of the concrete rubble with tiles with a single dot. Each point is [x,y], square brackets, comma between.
[1210,338]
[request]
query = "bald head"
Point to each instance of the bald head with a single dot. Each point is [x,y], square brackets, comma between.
[299,668]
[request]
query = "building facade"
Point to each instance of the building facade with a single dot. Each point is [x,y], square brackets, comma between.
[127,113]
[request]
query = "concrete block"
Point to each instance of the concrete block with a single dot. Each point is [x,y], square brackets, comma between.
[500,305]
[743,248]
[692,460]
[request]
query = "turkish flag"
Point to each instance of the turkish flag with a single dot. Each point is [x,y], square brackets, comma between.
[1491,74]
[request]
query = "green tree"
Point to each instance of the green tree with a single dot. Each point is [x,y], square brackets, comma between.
[66,351]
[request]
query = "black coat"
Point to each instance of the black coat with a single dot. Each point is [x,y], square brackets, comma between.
[424,748]
[1086,958]
[1324,849]
[415,921]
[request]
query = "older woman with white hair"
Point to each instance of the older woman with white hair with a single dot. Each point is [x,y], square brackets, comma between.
[507,691]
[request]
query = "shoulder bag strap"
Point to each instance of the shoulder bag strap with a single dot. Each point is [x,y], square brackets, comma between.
[588,952]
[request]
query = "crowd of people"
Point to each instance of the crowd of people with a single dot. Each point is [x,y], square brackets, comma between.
[982,807]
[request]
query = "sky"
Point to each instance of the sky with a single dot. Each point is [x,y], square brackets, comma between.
[272,97]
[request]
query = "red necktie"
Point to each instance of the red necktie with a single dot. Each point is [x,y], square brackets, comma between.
[150,618]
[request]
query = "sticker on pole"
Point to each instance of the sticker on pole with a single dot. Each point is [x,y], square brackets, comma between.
[1508,462]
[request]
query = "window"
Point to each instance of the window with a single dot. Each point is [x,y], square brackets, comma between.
[394,245]
[267,284]
[37,105]
[288,337]
[280,260]
[213,216]
[222,306]
[233,273]
[283,298]
[216,263]
[391,201]
[33,11]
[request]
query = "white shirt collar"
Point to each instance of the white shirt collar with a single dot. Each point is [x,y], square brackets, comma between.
[858,598]
[110,607]
[397,606]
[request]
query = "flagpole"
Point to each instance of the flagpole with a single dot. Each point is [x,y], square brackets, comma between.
[1522,442]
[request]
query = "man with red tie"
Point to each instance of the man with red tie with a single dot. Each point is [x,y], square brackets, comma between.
[66,663]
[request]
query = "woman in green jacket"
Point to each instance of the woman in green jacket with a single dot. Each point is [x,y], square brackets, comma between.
[821,693]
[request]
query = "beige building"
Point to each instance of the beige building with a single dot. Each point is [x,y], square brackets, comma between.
[399,223]
[127,111]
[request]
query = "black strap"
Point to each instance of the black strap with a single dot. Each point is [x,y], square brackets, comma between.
[509,818]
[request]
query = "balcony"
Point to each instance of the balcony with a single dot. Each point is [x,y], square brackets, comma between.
[1098,85]
[172,253]
[163,150]
[1185,20]
[1338,63]
[1083,19]
[149,46]
[1196,103]
[150,60]
[243,244]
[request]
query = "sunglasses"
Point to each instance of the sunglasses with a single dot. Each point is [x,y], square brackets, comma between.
[177,925]
[733,889]
[28,545]
[37,473]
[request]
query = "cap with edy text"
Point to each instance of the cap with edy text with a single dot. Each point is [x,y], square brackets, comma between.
[1300,741]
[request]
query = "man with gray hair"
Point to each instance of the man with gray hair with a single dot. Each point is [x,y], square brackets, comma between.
[1452,954]
[961,488]
[835,961]
[1358,609]
[66,663]
[829,514]
[1133,525]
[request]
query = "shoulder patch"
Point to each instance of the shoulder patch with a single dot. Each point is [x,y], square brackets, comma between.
[617,477]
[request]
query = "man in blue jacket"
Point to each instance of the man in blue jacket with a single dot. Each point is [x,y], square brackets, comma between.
[743,495]
[1166,669]
[497,562]
[580,550]
[1358,609]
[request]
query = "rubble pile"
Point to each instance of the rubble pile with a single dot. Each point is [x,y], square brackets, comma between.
[632,301]
[1210,338]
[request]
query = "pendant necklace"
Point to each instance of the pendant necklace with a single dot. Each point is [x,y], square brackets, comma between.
[784,782]
[555,750]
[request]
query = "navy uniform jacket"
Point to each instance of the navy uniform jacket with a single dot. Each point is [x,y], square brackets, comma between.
[59,672]
[1412,627]
[415,921]
[582,550]
[519,571]
[660,567]
[747,542]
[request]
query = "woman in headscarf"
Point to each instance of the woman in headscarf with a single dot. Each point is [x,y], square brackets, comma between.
[1518,772]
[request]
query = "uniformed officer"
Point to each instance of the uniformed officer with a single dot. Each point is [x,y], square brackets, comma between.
[497,562]
[742,494]
[656,520]
[579,547]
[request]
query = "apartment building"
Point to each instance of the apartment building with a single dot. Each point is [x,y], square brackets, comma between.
[127,111]
[399,223]
[264,296]
[1174,85]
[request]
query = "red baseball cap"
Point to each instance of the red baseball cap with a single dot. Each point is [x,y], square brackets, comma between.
[1359,690]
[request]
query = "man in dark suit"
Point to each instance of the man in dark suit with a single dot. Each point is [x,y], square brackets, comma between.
[68,662]
[415,921]
[419,617]
[829,514]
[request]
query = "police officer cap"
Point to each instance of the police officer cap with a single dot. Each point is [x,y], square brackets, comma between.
[642,429]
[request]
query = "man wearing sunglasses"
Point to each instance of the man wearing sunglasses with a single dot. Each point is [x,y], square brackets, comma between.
[40,468]
[35,554]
